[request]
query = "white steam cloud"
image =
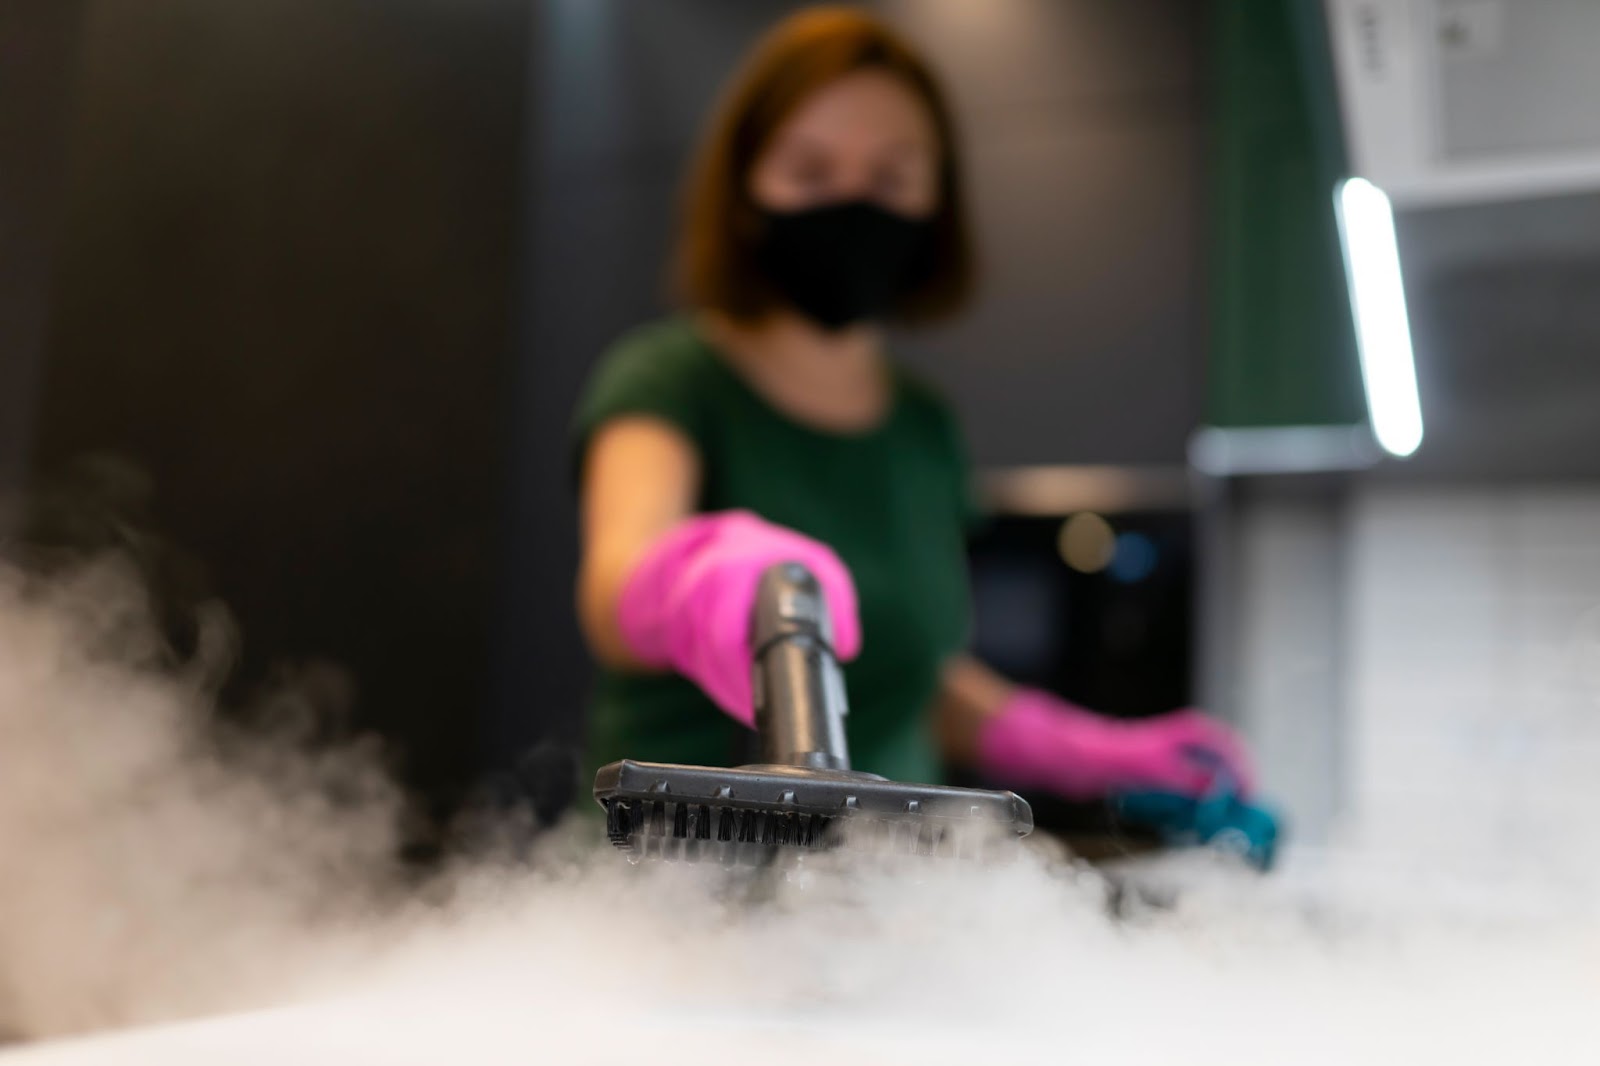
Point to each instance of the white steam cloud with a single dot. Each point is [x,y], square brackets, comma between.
[154,870]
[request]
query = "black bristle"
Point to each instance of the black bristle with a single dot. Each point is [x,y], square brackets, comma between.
[673,830]
[619,826]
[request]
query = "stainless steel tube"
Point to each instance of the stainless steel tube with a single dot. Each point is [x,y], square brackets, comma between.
[798,686]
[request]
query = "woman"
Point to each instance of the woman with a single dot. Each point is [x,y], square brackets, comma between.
[767,423]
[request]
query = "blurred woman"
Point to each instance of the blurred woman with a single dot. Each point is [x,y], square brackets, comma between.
[767,422]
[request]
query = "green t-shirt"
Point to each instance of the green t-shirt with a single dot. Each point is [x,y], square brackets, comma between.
[892,502]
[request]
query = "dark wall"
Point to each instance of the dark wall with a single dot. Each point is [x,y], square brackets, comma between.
[1086,125]
[1085,122]
[38,51]
[284,294]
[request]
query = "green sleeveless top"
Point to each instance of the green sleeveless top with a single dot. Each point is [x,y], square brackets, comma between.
[892,502]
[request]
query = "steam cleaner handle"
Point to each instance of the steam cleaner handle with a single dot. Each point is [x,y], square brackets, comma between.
[797,683]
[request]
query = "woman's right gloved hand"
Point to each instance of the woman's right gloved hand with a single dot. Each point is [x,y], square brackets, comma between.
[1038,740]
[687,603]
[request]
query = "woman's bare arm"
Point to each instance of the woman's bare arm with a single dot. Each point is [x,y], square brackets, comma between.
[969,693]
[641,476]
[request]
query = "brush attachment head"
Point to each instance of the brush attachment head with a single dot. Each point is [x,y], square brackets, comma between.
[751,815]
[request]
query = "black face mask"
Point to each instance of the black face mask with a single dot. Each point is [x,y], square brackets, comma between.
[844,263]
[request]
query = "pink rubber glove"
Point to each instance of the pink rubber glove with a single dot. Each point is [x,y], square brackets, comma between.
[1038,740]
[687,603]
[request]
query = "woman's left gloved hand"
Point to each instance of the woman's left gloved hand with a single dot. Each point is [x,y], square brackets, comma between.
[1037,740]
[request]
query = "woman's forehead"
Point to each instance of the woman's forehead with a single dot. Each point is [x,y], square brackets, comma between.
[865,111]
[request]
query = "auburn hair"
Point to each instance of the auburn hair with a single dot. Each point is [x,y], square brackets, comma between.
[715,266]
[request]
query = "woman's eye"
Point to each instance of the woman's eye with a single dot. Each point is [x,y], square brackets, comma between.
[890,184]
[898,185]
[809,176]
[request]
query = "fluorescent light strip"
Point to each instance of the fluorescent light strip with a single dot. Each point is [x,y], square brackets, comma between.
[1378,303]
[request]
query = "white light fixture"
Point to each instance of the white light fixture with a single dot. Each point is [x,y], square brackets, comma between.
[1378,303]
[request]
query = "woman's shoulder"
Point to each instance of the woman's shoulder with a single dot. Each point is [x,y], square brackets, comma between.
[662,369]
[658,352]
